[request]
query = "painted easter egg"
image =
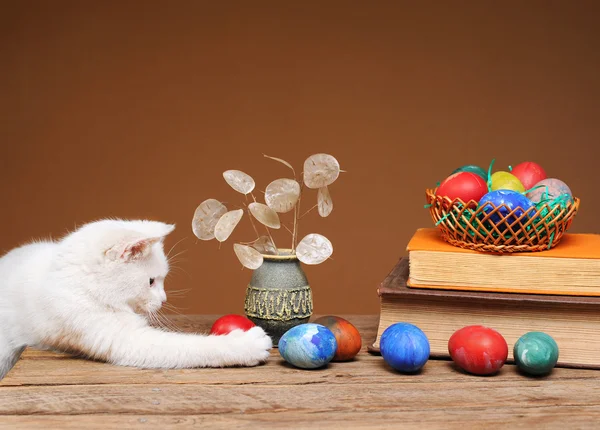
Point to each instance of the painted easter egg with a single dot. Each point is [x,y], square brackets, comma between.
[346,335]
[473,169]
[404,347]
[463,185]
[536,353]
[308,346]
[549,189]
[478,350]
[529,173]
[511,200]
[228,323]
[506,181]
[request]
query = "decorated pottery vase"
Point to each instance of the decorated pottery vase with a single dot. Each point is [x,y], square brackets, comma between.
[278,296]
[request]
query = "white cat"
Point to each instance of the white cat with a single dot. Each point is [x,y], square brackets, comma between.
[91,293]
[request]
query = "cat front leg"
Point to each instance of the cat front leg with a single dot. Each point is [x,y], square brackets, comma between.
[148,347]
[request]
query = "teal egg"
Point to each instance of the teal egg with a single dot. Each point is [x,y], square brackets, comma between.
[473,169]
[536,353]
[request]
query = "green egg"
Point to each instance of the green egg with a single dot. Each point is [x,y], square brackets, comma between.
[536,353]
[473,169]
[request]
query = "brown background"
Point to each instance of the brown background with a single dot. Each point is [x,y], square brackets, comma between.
[133,109]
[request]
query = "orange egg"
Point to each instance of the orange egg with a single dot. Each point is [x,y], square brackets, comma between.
[347,336]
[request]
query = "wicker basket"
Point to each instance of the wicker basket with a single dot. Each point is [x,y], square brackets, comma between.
[467,226]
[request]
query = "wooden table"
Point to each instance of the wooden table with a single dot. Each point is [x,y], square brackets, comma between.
[46,390]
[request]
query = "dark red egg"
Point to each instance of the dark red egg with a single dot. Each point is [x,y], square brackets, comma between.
[347,336]
[529,173]
[228,323]
[477,349]
[463,185]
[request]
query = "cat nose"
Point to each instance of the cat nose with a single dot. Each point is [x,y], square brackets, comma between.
[163,296]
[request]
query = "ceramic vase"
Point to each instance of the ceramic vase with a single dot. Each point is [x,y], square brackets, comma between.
[279,296]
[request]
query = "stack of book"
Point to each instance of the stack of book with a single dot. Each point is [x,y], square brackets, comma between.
[442,288]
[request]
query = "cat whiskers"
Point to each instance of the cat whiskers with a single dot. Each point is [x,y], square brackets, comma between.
[176,310]
[171,260]
[169,322]
[162,321]
[173,247]
[178,293]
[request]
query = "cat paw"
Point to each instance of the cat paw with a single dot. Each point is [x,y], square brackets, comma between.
[251,347]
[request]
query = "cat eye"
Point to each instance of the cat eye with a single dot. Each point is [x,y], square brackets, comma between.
[151,281]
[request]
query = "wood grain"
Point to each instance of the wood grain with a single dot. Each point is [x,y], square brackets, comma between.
[58,391]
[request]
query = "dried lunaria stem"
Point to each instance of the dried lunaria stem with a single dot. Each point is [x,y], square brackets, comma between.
[212,220]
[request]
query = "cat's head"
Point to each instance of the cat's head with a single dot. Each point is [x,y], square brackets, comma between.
[124,262]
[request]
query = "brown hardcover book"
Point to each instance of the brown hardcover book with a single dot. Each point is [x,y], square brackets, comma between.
[573,321]
[571,268]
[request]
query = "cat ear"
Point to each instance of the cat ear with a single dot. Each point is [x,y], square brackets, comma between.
[139,249]
[135,250]
[167,229]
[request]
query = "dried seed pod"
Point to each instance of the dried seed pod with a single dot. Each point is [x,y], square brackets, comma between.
[239,181]
[205,219]
[325,204]
[281,195]
[264,245]
[265,215]
[314,249]
[320,170]
[248,256]
[227,223]
[282,162]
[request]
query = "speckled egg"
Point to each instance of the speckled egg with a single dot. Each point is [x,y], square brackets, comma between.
[548,189]
[478,349]
[308,346]
[536,353]
[404,347]
[347,336]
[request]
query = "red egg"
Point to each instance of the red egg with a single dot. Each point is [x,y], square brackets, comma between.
[347,336]
[477,349]
[529,173]
[228,323]
[463,185]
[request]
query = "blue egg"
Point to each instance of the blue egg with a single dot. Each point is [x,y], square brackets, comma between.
[404,347]
[511,200]
[308,346]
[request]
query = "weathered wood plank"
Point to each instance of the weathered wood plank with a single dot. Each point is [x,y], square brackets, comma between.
[365,368]
[233,399]
[514,416]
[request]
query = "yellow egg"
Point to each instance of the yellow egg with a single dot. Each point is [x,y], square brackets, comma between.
[506,181]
